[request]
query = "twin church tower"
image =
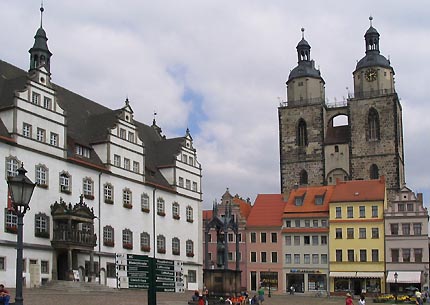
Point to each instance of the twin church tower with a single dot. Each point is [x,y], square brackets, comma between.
[315,150]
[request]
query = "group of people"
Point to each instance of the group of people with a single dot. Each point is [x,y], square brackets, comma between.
[243,299]
[361,301]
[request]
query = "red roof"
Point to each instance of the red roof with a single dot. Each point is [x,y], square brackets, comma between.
[207,214]
[245,207]
[267,211]
[308,205]
[359,190]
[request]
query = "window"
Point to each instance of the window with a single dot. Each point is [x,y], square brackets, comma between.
[395,255]
[181,182]
[145,242]
[53,140]
[338,255]
[362,210]
[127,198]
[189,248]
[406,255]
[302,137]
[117,160]
[189,211]
[373,125]
[253,257]
[127,164]
[26,130]
[65,182]
[406,229]
[315,240]
[375,211]
[417,228]
[47,103]
[253,237]
[375,255]
[108,236]
[375,232]
[288,223]
[362,233]
[296,258]
[350,212]
[82,151]
[187,184]
[394,229]
[264,257]
[41,225]
[338,212]
[175,210]
[307,223]
[35,98]
[298,201]
[161,244]
[410,207]
[350,255]
[108,193]
[88,188]
[363,255]
[262,237]
[401,207]
[323,240]
[160,207]
[323,258]
[131,136]
[338,233]
[111,270]
[136,167]
[319,200]
[374,171]
[307,259]
[127,239]
[191,161]
[303,179]
[41,135]
[297,223]
[122,133]
[11,166]
[288,240]
[315,223]
[306,240]
[194,186]
[2,263]
[350,233]
[296,240]
[418,253]
[144,203]
[288,258]
[230,237]
[274,237]
[192,276]
[315,259]
[44,267]
[176,250]
[239,237]
[185,158]
[324,223]
[41,175]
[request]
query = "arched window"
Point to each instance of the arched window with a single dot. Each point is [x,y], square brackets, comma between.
[161,244]
[373,125]
[302,135]
[108,193]
[303,179]
[161,207]
[42,176]
[145,242]
[127,239]
[108,236]
[189,246]
[144,202]
[374,172]
[65,182]
[127,198]
[41,225]
[175,210]
[176,246]
[88,188]
[190,217]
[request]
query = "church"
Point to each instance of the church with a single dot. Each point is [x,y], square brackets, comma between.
[106,183]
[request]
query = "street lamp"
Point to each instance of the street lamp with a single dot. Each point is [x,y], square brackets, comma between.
[20,190]
[395,284]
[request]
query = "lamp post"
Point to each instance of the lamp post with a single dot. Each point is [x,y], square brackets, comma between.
[395,284]
[270,280]
[20,190]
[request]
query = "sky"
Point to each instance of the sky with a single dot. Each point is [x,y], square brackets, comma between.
[219,67]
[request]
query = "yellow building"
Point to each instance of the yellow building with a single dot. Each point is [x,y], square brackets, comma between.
[356,239]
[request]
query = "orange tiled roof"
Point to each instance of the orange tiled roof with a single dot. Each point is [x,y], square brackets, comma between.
[267,211]
[245,207]
[207,214]
[309,207]
[359,190]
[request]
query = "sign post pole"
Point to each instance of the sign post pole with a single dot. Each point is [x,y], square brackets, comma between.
[152,290]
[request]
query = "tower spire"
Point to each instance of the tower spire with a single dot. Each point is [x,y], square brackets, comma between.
[370,20]
[39,53]
[41,14]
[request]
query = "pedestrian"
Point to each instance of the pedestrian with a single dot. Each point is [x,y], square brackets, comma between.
[201,301]
[4,295]
[260,295]
[362,300]
[419,300]
[348,300]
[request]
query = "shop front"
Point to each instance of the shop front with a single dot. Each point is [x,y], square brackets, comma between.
[357,283]
[302,281]
[404,282]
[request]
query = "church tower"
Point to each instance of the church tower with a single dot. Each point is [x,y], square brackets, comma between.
[375,117]
[301,121]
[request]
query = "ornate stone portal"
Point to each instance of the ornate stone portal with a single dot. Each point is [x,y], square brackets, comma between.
[218,278]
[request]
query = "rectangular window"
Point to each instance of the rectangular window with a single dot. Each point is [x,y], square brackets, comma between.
[122,133]
[315,259]
[26,130]
[262,237]
[363,255]
[181,182]
[185,158]
[274,257]
[375,232]
[315,240]
[230,256]
[297,223]
[338,255]
[375,255]
[47,103]
[44,267]
[41,135]
[307,240]
[319,200]
[2,263]
[394,229]
[35,98]
[287,258]
[126,164]
[418,255]
[82,151]
[324,223]
[117,160]
[230,237]
[307,223]
[323,240]
[298,201]
[406,255]
[406,229]
[350,212]
[350,233]
[274,237]
[395,255]
[131,136]
[192,276]
[417,228]
[288,240]
[350,255]
[401,207]
[253,237]
[338,212]
[191,161]
[324,259]
[136,167]
[375,211]
[110,270]
[362,233]
[296,240]
[410,207]
[315,223]
[239,237]
[307,259]
[338,233]
[296,258]
[188,184]
[253,257]
[362,209]
[53,139]
[288,223]
[194,186]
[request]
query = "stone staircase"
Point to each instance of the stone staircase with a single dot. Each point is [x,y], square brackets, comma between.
[71,286]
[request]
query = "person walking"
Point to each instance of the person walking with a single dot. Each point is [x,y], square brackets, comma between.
[260,295]
[362,300]
[348,300]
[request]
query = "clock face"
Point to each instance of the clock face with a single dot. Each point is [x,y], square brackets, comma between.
[370,75]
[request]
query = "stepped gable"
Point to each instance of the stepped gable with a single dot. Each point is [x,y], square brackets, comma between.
[267,211]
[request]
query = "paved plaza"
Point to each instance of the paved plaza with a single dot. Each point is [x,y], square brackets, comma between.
[139,297]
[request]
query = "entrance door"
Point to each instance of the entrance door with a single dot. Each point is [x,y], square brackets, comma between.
[62,266]
[253,281]
[357,287]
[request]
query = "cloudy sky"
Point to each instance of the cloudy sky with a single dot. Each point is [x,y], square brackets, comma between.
[219,68]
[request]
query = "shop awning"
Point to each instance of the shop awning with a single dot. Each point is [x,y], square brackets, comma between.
[404,277]
[342,274]
[370,274]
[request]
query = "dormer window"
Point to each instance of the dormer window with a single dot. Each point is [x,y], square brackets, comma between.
[185,158]
[319,200]
[298,201]
[82,151]
[131,136]
[35,98]
[122,133]
[47,102]
[191,161]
